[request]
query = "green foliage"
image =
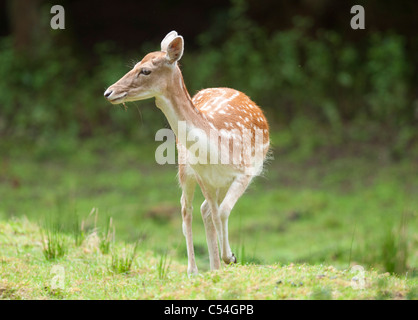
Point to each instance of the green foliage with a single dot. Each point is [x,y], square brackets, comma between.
[121,262]
[86,276]
[298,72]
[79,232]
[413,293]
[390,250]
[163,266]
[382,290]
[388,72]
[394,249]
[321,294]
[108,237]
[58,94]
[54,243]
[301,71]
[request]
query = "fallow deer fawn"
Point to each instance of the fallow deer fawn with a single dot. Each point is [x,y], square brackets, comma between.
[220,114]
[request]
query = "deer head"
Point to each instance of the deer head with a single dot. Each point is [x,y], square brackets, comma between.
[149,78]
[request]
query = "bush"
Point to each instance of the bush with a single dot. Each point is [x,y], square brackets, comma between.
[294,72]
[58,93]
[291,73]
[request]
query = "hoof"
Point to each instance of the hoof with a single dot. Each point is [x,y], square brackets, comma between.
[234,259]
[230,260]
[192,271]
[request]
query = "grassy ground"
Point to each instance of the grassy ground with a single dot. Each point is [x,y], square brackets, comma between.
[85,272]
[314,208]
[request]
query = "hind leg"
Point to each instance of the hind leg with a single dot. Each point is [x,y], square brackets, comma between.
[217,213]
[235,191]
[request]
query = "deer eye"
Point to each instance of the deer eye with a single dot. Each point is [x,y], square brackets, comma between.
[145,72]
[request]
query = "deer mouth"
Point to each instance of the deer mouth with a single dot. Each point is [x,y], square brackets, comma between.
[117,99]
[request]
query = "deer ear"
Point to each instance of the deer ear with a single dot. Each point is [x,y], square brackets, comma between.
[166,41]
[175,49]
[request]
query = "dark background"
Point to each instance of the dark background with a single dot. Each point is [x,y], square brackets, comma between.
[297,59]
[129,23]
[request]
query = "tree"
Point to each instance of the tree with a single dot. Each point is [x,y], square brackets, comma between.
[25,22]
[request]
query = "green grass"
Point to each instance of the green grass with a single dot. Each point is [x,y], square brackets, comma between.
[54,243]
[313,209]
[163,266]
[122,262]
[26,274]
[108,237]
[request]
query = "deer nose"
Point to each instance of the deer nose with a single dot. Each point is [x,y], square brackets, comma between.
[108,93]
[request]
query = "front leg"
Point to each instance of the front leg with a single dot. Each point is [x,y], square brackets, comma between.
[188,184]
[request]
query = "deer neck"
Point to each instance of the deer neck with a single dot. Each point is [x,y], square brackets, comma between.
[178,107]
